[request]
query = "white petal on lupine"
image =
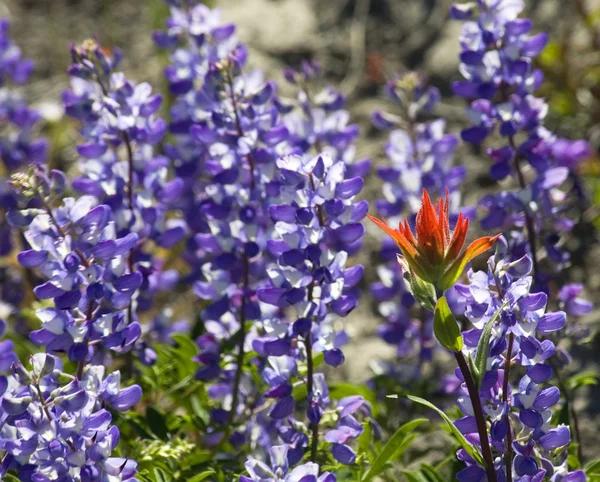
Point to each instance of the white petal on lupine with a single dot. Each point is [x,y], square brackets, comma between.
[336,289]
[335,174]
[275,327]
[292,162]
[103,325]
[292,239]
[327,256]
[93,377]
[428,163]
[411,179]
[302,471]
[465,405]
[471,37]
[339,261]
[55,324]
[304,308]
[276,276]
[547,418]
[315,235]
[388,190]
[81,207]
[474,116]
[77,332]
[294,277]
[317,293]
[505,110]
[400,148]
[326,191]
[414,201]
[388,308]
[113,383]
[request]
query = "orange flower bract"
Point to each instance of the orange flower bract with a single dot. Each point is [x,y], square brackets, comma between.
[434,254]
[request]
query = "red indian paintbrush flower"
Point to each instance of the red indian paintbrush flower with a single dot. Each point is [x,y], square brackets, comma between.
[434,255]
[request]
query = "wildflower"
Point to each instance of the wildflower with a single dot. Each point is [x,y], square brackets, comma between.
[434,256]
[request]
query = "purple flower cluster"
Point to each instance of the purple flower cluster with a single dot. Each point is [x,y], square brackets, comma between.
[316,217]
[519,416]
[19,148]
[273,225]
[250,202]
[278,470]
[121,170]
[420,156]
[75,247]
[497,62]
[54,430]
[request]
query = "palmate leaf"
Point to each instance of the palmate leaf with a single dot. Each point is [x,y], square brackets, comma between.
[393,448]
[472,451]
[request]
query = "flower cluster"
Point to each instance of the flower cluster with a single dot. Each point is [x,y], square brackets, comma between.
[75,246]
[497,62]
[19,148]
[245,203]
[420,155]
[519,415]
[57,427]
[120,168]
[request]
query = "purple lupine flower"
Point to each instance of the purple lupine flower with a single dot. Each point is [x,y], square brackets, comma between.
[19,146]
[348,427]
[75,247]
[278,471]
[7,355]
[420,156]
[316,220]
[57,429]
[497,63]
[118,114]
[523,411]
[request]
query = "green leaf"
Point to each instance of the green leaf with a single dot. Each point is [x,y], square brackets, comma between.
[186,348]
[364,441]
[483,347]
[10,478]
[445,327]
[593,467]
[413,476]
[393,448]
[156,423]
[299,392]
[161,476]
[202,476]
[472,451]
[582,379]
[431,473]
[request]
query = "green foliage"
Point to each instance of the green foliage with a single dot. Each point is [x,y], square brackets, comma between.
[446,327]
[483,348]
[394,448]
[472,451]
[592,470]
[582,379]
